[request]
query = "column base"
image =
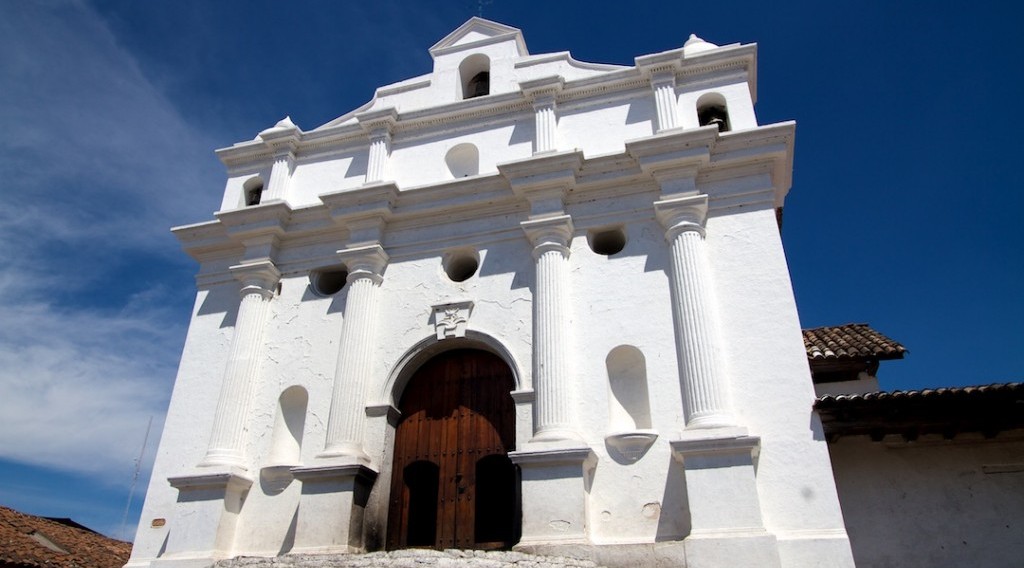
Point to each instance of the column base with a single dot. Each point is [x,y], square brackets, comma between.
[555,485]
[345,453]
[714,549]
[331,508]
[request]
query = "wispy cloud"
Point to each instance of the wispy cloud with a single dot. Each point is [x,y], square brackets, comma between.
[96,164]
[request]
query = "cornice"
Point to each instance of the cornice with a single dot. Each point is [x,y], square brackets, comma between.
[742,57]
[704,157]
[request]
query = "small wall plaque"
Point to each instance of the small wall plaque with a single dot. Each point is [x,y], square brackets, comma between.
[451,319]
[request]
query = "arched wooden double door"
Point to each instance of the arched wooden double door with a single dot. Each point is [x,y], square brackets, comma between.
[452,483]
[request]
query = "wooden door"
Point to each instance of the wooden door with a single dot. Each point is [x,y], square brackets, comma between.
[452,483]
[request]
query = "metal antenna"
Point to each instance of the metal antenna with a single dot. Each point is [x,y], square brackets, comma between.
[135,478]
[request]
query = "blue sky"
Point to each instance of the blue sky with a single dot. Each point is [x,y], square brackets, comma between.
[903,213]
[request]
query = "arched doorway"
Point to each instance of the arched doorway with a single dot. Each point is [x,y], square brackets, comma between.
[452,483]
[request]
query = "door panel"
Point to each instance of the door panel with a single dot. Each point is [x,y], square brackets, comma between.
[458,420]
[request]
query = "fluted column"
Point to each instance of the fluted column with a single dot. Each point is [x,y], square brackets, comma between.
[552,348]
[700,367]
[664,85]
[542,94]
[280,175]
[352,375]
[546,123]
[227,441]
[378,125]
[380,150]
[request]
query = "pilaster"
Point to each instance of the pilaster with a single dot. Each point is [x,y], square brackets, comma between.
[282,140]
[660,69]
[542,94]
[378,125]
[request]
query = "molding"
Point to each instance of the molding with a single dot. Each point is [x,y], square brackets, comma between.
[613,79]
[552,181]
[233,478]
[385,409]
[716,442]
[369,201]
[322,473]
[543,173]
[552,457]
[524,396]
[496,33]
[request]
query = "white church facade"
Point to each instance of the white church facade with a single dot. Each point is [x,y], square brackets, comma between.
[518,302]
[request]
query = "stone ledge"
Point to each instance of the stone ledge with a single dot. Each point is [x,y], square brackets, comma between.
[410,558]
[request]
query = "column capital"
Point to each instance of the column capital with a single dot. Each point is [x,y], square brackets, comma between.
[552,233]
[658,65]
[681,214]
[542,90]
[544,179]
[257,277]
[378,122]
[674,158]
[365,261]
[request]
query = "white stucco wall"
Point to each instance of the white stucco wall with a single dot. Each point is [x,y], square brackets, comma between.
[933,502]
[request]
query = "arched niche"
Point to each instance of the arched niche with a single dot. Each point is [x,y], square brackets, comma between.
[289,425]
[475,76]
[629,406]
[252,191]
[463,160]
[713,110]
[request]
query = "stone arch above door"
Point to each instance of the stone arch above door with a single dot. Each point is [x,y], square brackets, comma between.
[420,353]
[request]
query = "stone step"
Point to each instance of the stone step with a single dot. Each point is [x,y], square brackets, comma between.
[411,558]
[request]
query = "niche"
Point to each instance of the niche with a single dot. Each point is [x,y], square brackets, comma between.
[475,75]
[461,265]
[607,241]
[286,443]
[328,281]
[252,191]
[712,111]
[629,408]
[463,160]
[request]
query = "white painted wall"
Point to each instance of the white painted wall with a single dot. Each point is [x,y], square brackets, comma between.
[933,503]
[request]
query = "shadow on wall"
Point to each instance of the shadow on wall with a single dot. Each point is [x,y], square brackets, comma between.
[674,523]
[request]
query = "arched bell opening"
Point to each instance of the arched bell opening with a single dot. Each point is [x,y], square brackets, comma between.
[457,417]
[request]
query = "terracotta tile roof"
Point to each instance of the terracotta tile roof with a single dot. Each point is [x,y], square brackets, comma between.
[30,541]
[988,409]
[850,341]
